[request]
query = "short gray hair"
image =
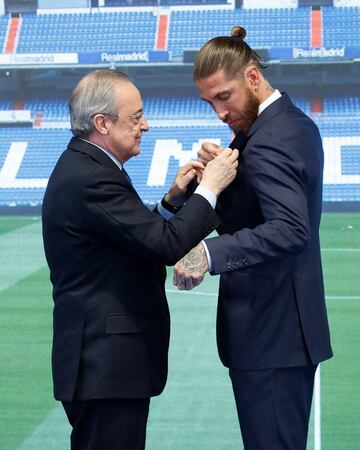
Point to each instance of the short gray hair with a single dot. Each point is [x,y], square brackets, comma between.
[94,94]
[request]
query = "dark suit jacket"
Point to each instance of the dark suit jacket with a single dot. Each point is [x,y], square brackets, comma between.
[106,252]
[271,309]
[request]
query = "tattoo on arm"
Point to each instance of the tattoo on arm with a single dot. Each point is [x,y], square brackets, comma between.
[195,260]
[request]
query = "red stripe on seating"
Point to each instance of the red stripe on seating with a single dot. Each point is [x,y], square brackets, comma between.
[162,32]
[19,104]
[11,38]
[317,105]
[316,28]
[38,120]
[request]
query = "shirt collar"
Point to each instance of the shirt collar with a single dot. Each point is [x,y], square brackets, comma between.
[110,155]
[274,96]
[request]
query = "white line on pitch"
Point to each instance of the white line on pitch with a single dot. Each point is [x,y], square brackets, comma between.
[317,411]
[214,294]
[22,252]
[340,249]
[206,294]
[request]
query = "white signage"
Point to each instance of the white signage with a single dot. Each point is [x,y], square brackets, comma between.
[38,58]
[15,116]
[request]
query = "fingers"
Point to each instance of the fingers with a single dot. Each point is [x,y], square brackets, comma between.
[211,148]
[190,175]
[208,152]
[184,176]
[184,281]
[234,159]
[203,160]
[199,175]
[179,278]
[232,154]
[193,164]
[175,275]
[221,171]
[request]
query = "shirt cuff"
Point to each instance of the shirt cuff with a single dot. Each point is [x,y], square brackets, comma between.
[207,194]
[207,255]
[167,215]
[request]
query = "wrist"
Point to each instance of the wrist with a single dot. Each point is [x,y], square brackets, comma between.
[213,188]
[177,199]
[169,205]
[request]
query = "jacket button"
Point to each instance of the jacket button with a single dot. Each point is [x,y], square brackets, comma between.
[244,261]
[228,265]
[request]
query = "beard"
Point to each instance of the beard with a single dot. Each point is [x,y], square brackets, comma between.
[243,121]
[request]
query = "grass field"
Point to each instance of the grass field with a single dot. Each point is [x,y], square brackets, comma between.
[196,411]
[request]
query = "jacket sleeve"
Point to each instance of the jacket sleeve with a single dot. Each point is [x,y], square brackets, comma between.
[278,176]
[115,212]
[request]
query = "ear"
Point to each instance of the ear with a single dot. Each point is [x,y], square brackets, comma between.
[252,77]
[101,124]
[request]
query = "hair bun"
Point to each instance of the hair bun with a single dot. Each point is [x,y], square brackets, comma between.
[238,32]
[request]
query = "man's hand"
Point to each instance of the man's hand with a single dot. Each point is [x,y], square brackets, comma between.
[177,191]
[208,152]
[190,270]
[220,171]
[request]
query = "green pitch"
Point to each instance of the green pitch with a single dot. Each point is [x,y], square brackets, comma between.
[196,410]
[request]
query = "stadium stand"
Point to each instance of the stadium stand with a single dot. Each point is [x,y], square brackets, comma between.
[188,29]
[112,31]
[192,2]
[342,105]
[5,105]
[45,146]
[51,109]
[162,107]
[337,115]
[340,26]
[265,27]
[4,20]
[112,3]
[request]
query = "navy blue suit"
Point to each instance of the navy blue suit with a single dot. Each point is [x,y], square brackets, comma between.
[271,308]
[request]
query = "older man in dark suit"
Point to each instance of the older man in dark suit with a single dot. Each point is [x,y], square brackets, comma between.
[106,253]
[272,327]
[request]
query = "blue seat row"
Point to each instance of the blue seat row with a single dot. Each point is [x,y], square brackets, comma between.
[85,32]
[46,145]
[182,107]
[119,31]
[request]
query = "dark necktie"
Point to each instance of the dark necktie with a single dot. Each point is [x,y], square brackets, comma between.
[126,175]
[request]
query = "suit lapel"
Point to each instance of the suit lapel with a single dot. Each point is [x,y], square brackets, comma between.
[277,107]
[98,155]
[94,152]
[239,141]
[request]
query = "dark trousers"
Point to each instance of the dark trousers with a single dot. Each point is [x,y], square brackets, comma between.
[108,424]
[274,406]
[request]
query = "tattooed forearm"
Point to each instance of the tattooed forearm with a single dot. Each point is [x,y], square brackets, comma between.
[189,272]
[195,260]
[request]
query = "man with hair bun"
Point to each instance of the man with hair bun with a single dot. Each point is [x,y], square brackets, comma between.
[272,328]
[107,253]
